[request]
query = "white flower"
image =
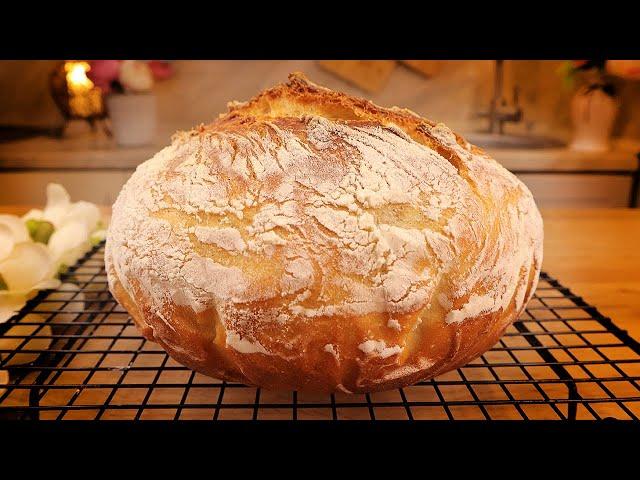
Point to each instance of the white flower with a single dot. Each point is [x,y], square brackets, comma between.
[63,232]
[25,266]
[12,231]
[73,222]
[136,76]
[69,243]
[60,210]
[28,266]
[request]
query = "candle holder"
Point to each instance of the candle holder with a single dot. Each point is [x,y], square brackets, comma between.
[76,96]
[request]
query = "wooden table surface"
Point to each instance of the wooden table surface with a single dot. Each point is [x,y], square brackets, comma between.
[595,252]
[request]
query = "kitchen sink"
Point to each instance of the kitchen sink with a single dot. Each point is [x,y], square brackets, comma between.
[496,140]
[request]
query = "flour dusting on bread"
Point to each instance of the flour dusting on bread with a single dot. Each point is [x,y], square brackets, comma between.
[305,219]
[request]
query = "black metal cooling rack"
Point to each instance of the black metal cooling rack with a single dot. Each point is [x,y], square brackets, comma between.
[561,360]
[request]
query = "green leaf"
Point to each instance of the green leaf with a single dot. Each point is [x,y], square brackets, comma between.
[3,285]
[40,230]
[62,268]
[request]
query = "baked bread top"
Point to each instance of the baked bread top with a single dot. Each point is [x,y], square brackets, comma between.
[318,230]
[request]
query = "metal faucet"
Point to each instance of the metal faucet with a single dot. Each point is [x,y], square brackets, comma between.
[499,111]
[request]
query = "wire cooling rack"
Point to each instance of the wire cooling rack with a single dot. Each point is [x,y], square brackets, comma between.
[74,353]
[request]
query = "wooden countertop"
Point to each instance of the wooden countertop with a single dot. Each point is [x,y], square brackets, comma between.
[84,152]
[594,252]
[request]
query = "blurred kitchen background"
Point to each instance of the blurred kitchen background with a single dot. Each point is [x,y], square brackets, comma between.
[569,129]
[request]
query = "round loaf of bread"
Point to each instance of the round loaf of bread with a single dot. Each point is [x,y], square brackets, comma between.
[313,241]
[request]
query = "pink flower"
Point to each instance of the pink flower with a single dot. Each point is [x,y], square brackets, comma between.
[160,69]
[629,69]
[103,72]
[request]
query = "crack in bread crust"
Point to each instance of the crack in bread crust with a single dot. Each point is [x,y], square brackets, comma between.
[311,240]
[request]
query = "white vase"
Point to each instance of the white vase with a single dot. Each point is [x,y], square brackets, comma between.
[593,113]
[133,118]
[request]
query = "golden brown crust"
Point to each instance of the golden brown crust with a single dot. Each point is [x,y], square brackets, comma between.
[300,97]
[300,277]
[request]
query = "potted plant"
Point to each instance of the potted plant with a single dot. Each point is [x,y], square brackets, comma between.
[131,105]
[594,106]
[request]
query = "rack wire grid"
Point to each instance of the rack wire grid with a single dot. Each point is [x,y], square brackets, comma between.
[74,353]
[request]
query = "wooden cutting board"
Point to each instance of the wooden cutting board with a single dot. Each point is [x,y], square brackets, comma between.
[369,75]
[427,68]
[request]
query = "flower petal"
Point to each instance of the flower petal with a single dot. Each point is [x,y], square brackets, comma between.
[58,203]
[34,213]
[10,304]
[160,69]
[103,72]
[24,331]
[17,227]
[28,264]
[69,243]
[85,212]
[6,241]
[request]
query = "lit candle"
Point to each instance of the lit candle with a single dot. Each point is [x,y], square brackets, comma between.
[85,98]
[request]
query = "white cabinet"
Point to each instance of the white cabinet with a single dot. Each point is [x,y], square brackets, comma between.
[578,191]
